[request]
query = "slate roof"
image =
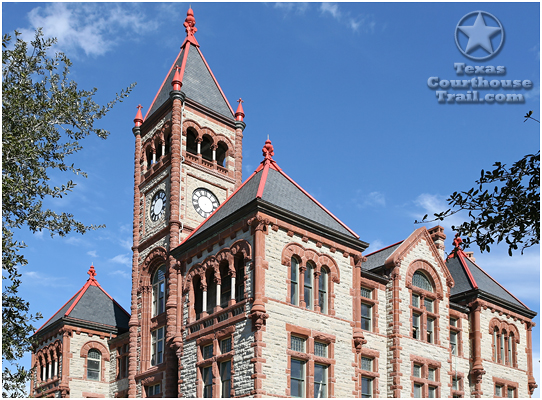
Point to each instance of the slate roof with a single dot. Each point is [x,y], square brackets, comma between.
[271,186]
[379,257]
[469,276]
[91,304]
[198,83]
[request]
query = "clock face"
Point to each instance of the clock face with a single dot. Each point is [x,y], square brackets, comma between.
[158,205]
[204,201]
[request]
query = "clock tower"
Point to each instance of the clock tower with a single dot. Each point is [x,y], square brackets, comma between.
[188,160]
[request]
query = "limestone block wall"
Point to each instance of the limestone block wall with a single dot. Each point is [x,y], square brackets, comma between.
[378,341]
[438,352]
[243,337]
[497,370]
[281,314]
[79,384]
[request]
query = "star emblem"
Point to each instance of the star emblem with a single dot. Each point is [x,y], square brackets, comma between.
[479,35]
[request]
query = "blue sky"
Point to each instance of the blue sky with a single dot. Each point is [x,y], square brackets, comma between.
[341,90]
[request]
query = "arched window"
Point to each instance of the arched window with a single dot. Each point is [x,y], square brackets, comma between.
[421,281]
[308,278]
[206,151]
[191,145]
[158,147]
[221,152]
[239,278]
[294,281]
[424,309]
[322,290]
[211,290]
[225,284]
[168,143]
[94,359]
[159,291]
[198,296]
[510,349]
[495,352]
[148,154]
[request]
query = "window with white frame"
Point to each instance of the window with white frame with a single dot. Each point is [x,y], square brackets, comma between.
[94,359]
[366,316]
[157,346]
[152,390]
[322,290]
[207,378]
[294,282]
[159,291]
[424,308]
[320,381]
[225,379]
[297,378]
[307,283]
[366,387]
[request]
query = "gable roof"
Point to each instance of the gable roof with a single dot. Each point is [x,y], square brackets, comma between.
[378,258]
[270,188]
[91,305]
[198,82]
[468,276]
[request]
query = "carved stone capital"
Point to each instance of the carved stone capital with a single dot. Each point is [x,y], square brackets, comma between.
[258,319]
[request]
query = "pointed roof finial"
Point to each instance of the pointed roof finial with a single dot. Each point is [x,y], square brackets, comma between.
[138,120]
[457,241]
[239,114]
[176,82]
[190,27]
[92,273]
[268,151]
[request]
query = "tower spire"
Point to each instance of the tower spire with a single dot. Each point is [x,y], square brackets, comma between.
[190,27]
[239,114]
[138,120]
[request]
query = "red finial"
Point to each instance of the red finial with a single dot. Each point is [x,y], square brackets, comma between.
[176,83]
[239,114]
[92,273]
[190,22]
[138,120]
[267,150]
[457,241]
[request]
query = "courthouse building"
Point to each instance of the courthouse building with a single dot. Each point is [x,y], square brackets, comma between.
[255,289]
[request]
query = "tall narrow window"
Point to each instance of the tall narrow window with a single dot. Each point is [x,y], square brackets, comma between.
[366,316]
[430,330]
[432,393]
[453,342]
[415,301]
[502,348]
[416,326]
[225,378]
[94,359]
[366,388]
[157,346]
[417,390]
[495,352]
[207,376]
[239,279]
[225,285]
[308,285]
[221,152]
[511,392]
[297,378]
[206,151]
[191,145]
[294,281]
[320,381]
[510,350]
[159,291]
[322,291]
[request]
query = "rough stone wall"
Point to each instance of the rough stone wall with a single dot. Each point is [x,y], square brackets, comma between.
[79,383]
[501,371]
[189,371]
[378,341]
[436,352]
[243,338]
[280,314]
[121,384]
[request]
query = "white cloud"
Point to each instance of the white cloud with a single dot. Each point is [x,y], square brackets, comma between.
[123,274]
[362,21]
[34,277]
[123,259]
[375,245]
[93,253]
[373,199]
[298,8]
[127,244]
[94,28]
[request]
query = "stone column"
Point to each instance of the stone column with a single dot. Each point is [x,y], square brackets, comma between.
[531,380]
[134,322]
[477,370]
